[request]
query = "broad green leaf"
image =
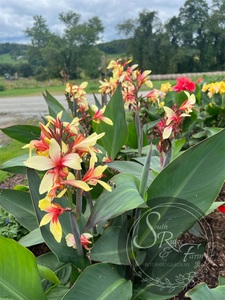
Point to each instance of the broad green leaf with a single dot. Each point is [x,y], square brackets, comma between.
[61,270]
[203,292]
[115,136]
[46,273]
[167,270]
[145,149]
[221,280]
[23,133]
[15,165]
[176,147]
[62,251]
[214,206]
[22,188]
[192,181]
[111,247]
[97,103]
[20,205]
[56,292]
[212,130]
[132,136]
[57,108]
[150,125]
[19,277]
[100,282]
[32,238]
[55,101]
[155,162]
[195,176]
[109,204]
[131,168]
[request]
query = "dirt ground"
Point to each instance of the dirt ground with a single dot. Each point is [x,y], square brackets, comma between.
[212,264]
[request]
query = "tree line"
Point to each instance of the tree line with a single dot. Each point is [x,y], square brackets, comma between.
[193,41]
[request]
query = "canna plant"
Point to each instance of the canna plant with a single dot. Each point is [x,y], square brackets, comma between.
[110,197]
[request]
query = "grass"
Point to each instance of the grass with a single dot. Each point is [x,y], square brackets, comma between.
[6,58]
[31,87]
[8,152]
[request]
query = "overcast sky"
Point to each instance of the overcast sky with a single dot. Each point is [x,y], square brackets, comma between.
[17,15]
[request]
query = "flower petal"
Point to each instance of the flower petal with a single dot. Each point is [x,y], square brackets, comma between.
[70,241]
[56,230]
[46,219]
[167,132]
[46,183]
[54,152]
[40,163]
[72,160]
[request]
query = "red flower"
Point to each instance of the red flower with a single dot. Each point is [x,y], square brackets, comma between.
[184,84]
[200,79]
[221,208]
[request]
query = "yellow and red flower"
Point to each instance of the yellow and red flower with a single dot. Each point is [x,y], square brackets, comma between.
[84,238]
[54,211]
[99,115]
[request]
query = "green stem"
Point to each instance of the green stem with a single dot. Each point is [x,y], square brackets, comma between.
[78,197]
[223,101]
[70,198]
[76,234]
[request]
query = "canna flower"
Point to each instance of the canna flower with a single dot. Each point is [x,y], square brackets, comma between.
[107,158]
[165,87]
[77,183]
[153,96]
[56,161]
[83,145]
[78,90]
[188,104]
[54,211]
[94,174]
[141,78]
[171,117]
[221,208]
[69,89]
[41,146]
[184,84]
[199,79]
[84,238]
[99,115]
[205,87]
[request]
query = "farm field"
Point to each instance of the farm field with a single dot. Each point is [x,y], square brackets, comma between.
[32,87]
[6,58]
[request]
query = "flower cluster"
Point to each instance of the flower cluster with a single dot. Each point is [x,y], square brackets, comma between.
[170,125]
[131,80]
[61,149]
[77,92]
[166,87]
[214,88]
[184,84]
[156,96]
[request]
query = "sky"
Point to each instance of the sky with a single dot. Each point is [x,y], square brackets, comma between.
[16,16]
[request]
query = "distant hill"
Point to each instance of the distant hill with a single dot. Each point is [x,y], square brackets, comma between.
[114,47]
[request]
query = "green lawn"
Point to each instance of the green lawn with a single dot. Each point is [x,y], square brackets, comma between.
[8,152]
[31,87]
[6,58]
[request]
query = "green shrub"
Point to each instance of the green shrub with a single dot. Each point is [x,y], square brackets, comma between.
[2,86]
[9,227]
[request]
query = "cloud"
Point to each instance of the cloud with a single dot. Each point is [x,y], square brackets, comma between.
[16,16]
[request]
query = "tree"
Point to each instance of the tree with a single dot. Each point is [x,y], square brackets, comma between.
[143,33]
